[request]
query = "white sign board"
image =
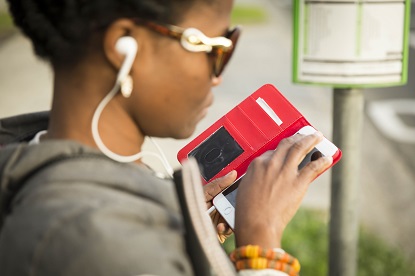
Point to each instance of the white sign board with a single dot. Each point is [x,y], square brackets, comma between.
[345,43]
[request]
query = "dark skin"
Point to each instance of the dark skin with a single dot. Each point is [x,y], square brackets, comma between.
[169,78]
[211,190]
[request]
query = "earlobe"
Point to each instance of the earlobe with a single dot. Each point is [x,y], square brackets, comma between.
[117,30]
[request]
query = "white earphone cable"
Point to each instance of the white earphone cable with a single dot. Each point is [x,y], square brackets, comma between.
[113,155]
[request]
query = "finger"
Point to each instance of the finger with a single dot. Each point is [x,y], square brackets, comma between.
[215,216]
[277,156]
[284,147]
[286,143]
[301,147]
[314,169]
[221,225]
[224,229]
[213,188]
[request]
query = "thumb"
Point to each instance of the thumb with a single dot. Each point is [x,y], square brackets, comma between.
[213,188]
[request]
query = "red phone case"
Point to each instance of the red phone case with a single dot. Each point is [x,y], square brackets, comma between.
[253,129]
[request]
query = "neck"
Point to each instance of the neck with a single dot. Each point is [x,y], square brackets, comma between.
[76,97]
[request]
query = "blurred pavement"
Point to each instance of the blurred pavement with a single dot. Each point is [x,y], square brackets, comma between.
[263,55]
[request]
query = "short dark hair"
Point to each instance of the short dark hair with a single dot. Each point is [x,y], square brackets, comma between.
[61,30]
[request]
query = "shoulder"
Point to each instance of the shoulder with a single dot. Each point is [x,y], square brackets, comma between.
[113,239]
[90,230]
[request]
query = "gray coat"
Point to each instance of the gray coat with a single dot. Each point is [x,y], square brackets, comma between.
[69,210]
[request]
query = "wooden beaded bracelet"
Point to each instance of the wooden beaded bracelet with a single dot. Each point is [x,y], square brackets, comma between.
[244,254]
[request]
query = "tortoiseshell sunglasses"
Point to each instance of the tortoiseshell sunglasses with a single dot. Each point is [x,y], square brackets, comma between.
[219,48]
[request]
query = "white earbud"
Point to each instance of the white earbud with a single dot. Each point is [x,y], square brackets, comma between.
[126,46]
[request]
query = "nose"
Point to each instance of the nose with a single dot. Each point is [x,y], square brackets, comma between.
[216,80]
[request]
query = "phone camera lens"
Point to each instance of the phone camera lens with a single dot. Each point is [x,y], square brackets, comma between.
[316,155]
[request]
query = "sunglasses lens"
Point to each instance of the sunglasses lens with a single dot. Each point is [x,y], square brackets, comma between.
[222,57]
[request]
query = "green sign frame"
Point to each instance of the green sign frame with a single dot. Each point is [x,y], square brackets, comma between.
[355,70]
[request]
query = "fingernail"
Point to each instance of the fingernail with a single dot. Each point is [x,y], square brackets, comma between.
[229,173]
[329,159]
[318,134]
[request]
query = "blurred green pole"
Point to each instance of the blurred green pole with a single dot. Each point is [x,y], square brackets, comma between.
[344,210]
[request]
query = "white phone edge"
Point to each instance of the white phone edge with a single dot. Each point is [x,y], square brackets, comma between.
[225,208]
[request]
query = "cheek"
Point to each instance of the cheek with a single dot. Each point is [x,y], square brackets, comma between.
[173,92]
[171,110]
[187,107]
[187,103]
[189,84]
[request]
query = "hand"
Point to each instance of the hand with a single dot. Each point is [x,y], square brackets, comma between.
[211,190]
[271,192]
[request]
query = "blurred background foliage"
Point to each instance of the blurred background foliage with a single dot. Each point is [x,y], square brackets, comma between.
[248,14]
[6,22]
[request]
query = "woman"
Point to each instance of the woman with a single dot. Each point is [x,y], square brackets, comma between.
[83,202]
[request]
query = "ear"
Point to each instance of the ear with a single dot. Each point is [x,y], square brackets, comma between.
[117,30]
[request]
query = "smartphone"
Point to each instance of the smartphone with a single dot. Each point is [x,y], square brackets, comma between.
[225,202]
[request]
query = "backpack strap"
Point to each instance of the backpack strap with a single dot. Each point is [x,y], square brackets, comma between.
[22,128]
[204,248]
[13,130]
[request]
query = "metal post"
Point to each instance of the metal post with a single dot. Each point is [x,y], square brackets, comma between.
[344,214]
